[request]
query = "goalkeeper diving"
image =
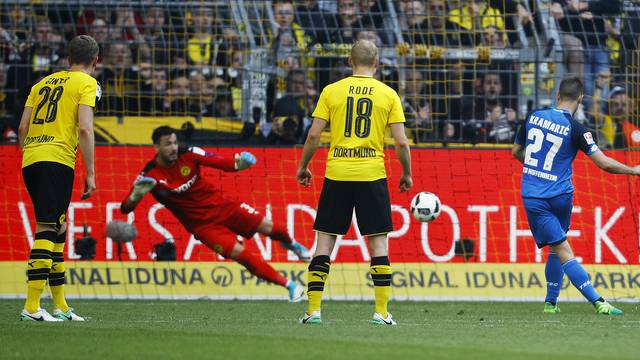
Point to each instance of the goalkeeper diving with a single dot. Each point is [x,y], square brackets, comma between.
[173,178]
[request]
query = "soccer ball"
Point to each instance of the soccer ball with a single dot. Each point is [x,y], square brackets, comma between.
[121,231]
[425,206]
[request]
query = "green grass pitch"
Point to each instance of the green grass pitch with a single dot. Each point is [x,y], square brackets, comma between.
[149,329]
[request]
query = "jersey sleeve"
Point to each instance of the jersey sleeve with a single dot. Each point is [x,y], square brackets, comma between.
[205,158]
[322,109]
[396,115]
[583,139]
[90,93]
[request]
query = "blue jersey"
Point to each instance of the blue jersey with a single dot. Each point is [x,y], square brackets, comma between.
[551,139]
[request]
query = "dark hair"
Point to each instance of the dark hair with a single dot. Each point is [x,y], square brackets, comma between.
[161,131]
[83,49]
[571,88]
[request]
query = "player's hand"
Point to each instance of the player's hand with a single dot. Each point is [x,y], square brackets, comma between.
[405,183]
[141,187]
[636,170]
[244,160]
[304,177]
[89,186]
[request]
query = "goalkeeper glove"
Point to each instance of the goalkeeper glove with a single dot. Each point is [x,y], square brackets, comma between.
[244,160]
[141,187]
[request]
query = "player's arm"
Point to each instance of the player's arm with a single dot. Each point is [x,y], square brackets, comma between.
[587,142]
[23,129]
[518,147]
[303,174]
[613,166]
[518,152]
[239,161]
[86,139]
[140,188]
[396,123]
[403,152]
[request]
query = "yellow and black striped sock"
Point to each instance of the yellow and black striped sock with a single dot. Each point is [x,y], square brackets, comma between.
[318,274]
[380,270]
[56,275]
[38,268]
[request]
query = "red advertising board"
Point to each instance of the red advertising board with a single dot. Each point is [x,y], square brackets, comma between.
[478,188]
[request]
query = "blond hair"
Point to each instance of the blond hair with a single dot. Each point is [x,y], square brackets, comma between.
[364,53]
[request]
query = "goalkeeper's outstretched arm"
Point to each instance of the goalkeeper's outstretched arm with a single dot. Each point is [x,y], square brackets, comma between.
[239,161]
[140,188]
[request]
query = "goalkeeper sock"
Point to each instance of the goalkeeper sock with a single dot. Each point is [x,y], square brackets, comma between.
[380,270]
[278,232]
[38,268]
[580,279]
[260,268]
[56,275]
[554,275]
[318,274]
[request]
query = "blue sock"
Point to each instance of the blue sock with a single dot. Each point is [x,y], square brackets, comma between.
[580,279]
[554,274]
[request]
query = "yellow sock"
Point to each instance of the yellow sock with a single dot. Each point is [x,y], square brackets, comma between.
[38,268]
[381,275]
[56,276]
[318,274]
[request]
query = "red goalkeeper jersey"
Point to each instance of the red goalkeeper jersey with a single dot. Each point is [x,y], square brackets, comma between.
[182,190]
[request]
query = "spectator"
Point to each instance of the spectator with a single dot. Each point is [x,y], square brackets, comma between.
[491,89]
[474,17]
[204,50]
[154,42]
[45,50]
[500,125]
[292,112]
[511,8]
[178,100]
[349,20]
[100,31]
[429,26]
[146,102]
[223,106]
[289,41]
[7,109]
[618,128]
[14,32]
[117,78]
[315,21]
[585,21]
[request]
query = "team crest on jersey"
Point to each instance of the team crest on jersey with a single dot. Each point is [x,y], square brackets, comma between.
[62,219]
[185,171]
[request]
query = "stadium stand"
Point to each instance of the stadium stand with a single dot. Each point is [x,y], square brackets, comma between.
[250,71]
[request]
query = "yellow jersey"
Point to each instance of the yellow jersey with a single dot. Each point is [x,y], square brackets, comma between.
[358,109]
[53,126]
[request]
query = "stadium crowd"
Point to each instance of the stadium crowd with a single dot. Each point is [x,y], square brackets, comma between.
[192,60]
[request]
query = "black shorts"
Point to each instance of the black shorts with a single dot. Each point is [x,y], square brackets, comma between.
[338,198]
[49,185]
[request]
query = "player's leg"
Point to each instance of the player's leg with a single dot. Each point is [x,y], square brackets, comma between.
[318,274]
[278,232]
[380,270]
[373,211]
[57,280]
[224,241]
[580,279]
[335,209]
[37,180]
[64,187]
[554,275]
[546,229]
